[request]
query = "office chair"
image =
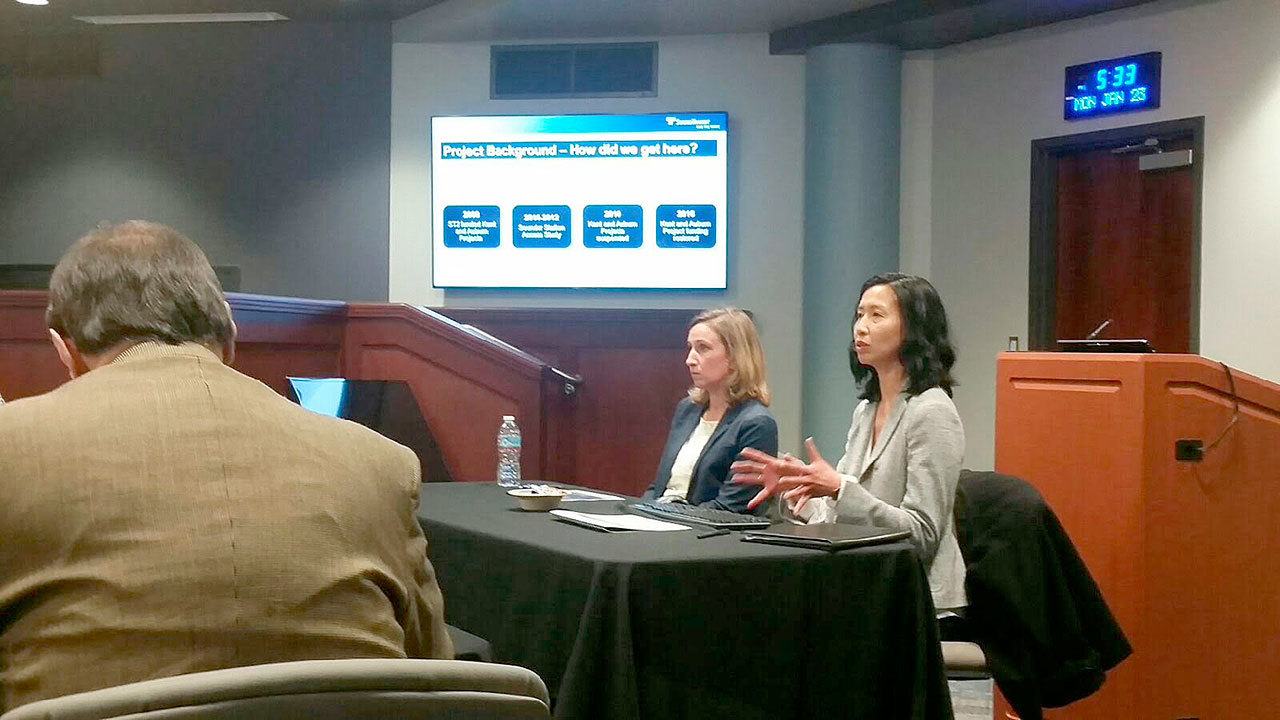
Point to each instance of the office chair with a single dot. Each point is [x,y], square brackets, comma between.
[1040,620]
[363,689]
[963,660]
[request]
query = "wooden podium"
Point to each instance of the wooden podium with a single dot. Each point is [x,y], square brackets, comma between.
[1186,552]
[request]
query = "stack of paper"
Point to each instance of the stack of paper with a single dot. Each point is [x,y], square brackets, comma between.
[614,523]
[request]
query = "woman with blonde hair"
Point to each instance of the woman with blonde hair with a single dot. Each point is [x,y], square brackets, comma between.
[726,412]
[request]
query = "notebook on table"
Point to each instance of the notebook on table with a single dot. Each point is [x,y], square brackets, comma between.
[824,536]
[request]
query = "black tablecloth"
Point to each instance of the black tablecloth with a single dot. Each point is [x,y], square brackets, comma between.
[664,625]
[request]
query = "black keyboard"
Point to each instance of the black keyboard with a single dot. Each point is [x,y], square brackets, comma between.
[679,512]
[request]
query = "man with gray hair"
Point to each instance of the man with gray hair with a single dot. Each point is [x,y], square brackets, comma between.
[163,514]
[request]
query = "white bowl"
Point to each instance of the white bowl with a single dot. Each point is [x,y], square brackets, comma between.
[537,499]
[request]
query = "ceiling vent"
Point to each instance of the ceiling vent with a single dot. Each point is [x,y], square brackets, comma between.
[579,70]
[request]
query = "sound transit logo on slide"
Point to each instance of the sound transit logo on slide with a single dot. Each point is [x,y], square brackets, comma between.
[693,123]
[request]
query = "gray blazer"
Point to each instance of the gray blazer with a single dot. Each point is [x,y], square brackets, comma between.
[910,483]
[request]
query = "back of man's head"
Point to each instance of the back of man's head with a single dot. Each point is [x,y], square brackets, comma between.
[136,282]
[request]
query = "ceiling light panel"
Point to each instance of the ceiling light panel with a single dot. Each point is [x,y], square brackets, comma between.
[180,18]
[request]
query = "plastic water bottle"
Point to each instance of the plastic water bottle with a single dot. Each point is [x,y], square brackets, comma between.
[509,452]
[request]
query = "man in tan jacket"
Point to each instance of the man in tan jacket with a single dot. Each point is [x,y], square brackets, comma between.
[163,514]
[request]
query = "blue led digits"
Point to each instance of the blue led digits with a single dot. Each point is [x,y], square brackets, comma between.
[1112,86]
[1118,76]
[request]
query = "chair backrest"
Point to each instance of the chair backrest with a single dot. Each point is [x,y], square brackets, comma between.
[1040,619]
[964,660]
[366,689]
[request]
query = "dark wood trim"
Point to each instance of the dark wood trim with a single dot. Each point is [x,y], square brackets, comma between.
[1197,170]
[1043,273]
[24,298]
[1043,270]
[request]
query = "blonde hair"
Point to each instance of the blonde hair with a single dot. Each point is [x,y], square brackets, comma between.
[746,358]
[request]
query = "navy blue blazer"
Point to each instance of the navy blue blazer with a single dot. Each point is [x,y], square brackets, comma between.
[745,425]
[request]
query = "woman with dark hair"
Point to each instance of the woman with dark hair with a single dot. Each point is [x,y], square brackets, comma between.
[902,458]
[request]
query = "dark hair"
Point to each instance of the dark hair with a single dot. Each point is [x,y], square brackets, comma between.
[927,354]
[137,281]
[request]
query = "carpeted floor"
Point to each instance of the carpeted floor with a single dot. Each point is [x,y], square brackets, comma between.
[972,699]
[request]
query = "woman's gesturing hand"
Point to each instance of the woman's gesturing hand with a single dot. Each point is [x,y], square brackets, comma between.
[797,480]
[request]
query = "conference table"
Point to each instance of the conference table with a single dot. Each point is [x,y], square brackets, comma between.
[666,625]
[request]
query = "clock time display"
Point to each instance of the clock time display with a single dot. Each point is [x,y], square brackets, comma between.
[1112,86]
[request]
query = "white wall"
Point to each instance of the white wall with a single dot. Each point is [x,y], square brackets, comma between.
[764,96]
[1221,60]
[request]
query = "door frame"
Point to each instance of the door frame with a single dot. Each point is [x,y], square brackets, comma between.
[1043,277]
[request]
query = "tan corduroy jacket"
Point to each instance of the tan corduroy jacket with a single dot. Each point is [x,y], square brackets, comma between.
[165,514]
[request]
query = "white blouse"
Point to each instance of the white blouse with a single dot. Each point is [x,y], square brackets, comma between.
[686,459]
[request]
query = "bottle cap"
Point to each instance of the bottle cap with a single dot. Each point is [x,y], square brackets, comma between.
[508,417]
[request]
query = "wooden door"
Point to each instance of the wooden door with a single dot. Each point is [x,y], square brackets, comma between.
[1125,248]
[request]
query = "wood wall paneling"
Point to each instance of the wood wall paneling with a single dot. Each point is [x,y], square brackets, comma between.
[462,385]
[28,367]
[632,365]
[624,415]
[279,337]
[607,432]
[28,363]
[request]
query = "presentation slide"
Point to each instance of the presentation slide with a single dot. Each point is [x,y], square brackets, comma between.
[580,201]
